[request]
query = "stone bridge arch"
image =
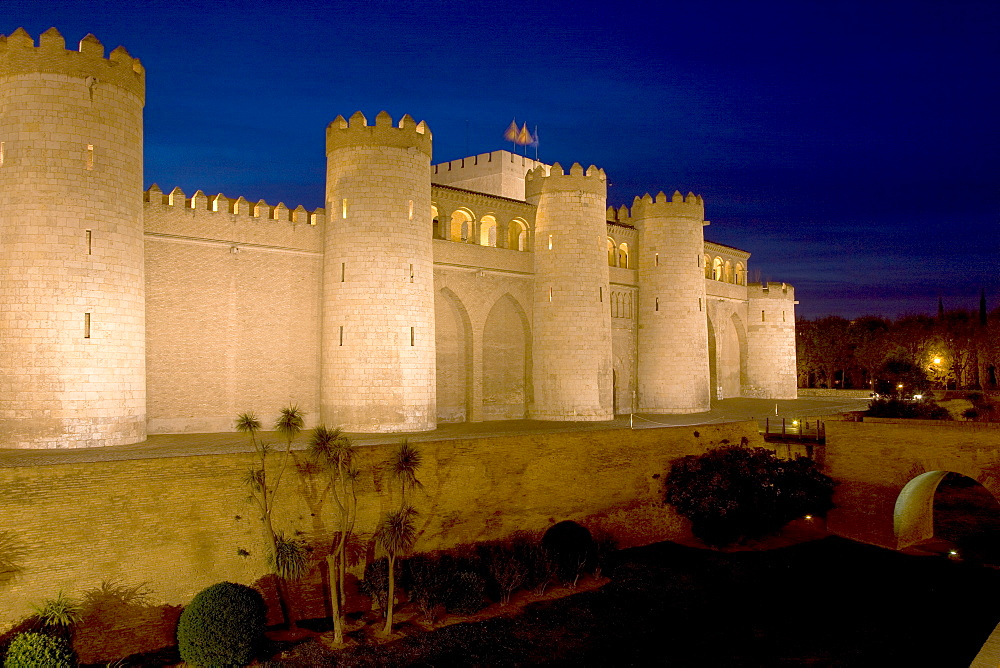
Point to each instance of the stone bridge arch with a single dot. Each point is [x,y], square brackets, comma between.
[913,513]
[888,471]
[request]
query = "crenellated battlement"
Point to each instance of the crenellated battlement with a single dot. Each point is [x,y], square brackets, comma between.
[782,291]
[620,216]
[679,206]
[19,55]
[239,206]
[555,178]
[356,131]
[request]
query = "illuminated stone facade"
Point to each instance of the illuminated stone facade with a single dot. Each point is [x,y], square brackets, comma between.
[488,288]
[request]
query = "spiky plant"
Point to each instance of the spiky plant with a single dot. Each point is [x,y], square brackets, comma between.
[290,423]
[405,462]
[395,534]
[333,453]
[61,611]
[263,491]
[247,423]
[290,560]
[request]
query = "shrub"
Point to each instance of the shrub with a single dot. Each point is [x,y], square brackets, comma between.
[604,547]
[32,650]
[504,566]
[570,544]
[223,626]
[468,595]
[375,583]
[542,568]
[733,494]
[914,410]
[428,581]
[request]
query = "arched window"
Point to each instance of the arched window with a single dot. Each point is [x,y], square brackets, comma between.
[717,268]
[488,231]
[435,223]
[741,274]
[517,235]
[707,262]
[460,226]
[728,275]
[611,252]
[628,305]
[623,256]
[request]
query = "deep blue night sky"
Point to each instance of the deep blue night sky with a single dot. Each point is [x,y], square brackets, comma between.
[852,147]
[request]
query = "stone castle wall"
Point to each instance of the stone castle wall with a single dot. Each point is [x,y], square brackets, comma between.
[233,304]
[771,372]
[72,303]
[573,372]
[178,523]
[129,312]
[673,337]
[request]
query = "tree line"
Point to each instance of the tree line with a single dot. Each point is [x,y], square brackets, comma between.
[957,349]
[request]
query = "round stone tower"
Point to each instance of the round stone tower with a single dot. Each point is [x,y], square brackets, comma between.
[72,292]
[771,368]
[571,350]
[673,374]
[378,356]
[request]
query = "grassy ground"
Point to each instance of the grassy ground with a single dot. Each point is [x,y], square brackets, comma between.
[829,602]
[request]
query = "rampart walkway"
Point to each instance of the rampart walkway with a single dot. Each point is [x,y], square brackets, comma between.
[181,445]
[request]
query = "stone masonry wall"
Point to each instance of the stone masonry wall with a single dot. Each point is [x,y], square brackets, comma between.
[229,332]
[72,367]
[875,460]
[673,368]
[178,523]
[572,366]
[378,357]
[771,371]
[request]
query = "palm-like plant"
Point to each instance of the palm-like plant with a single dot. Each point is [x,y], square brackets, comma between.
[333,452]
[290,423]
[395,534]
[247,423]
[405,462]
[263,491]
[290,560]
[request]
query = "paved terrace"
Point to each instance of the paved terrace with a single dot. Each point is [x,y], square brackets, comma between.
[190,445]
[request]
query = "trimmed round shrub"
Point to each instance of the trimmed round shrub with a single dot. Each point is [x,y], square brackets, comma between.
[570,545]
[30,650]
[223,626]
[468,594]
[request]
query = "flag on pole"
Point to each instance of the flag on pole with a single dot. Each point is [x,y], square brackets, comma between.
[511,133]
[523,137]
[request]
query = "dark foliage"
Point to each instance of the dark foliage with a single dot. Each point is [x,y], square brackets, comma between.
[223,626]
[506,565]
[375,583]
[896,372]
[33,650]
[734,494]
[983,409]
[570,545]
[670,605]
[467,596]
[428,581]
[915,410]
